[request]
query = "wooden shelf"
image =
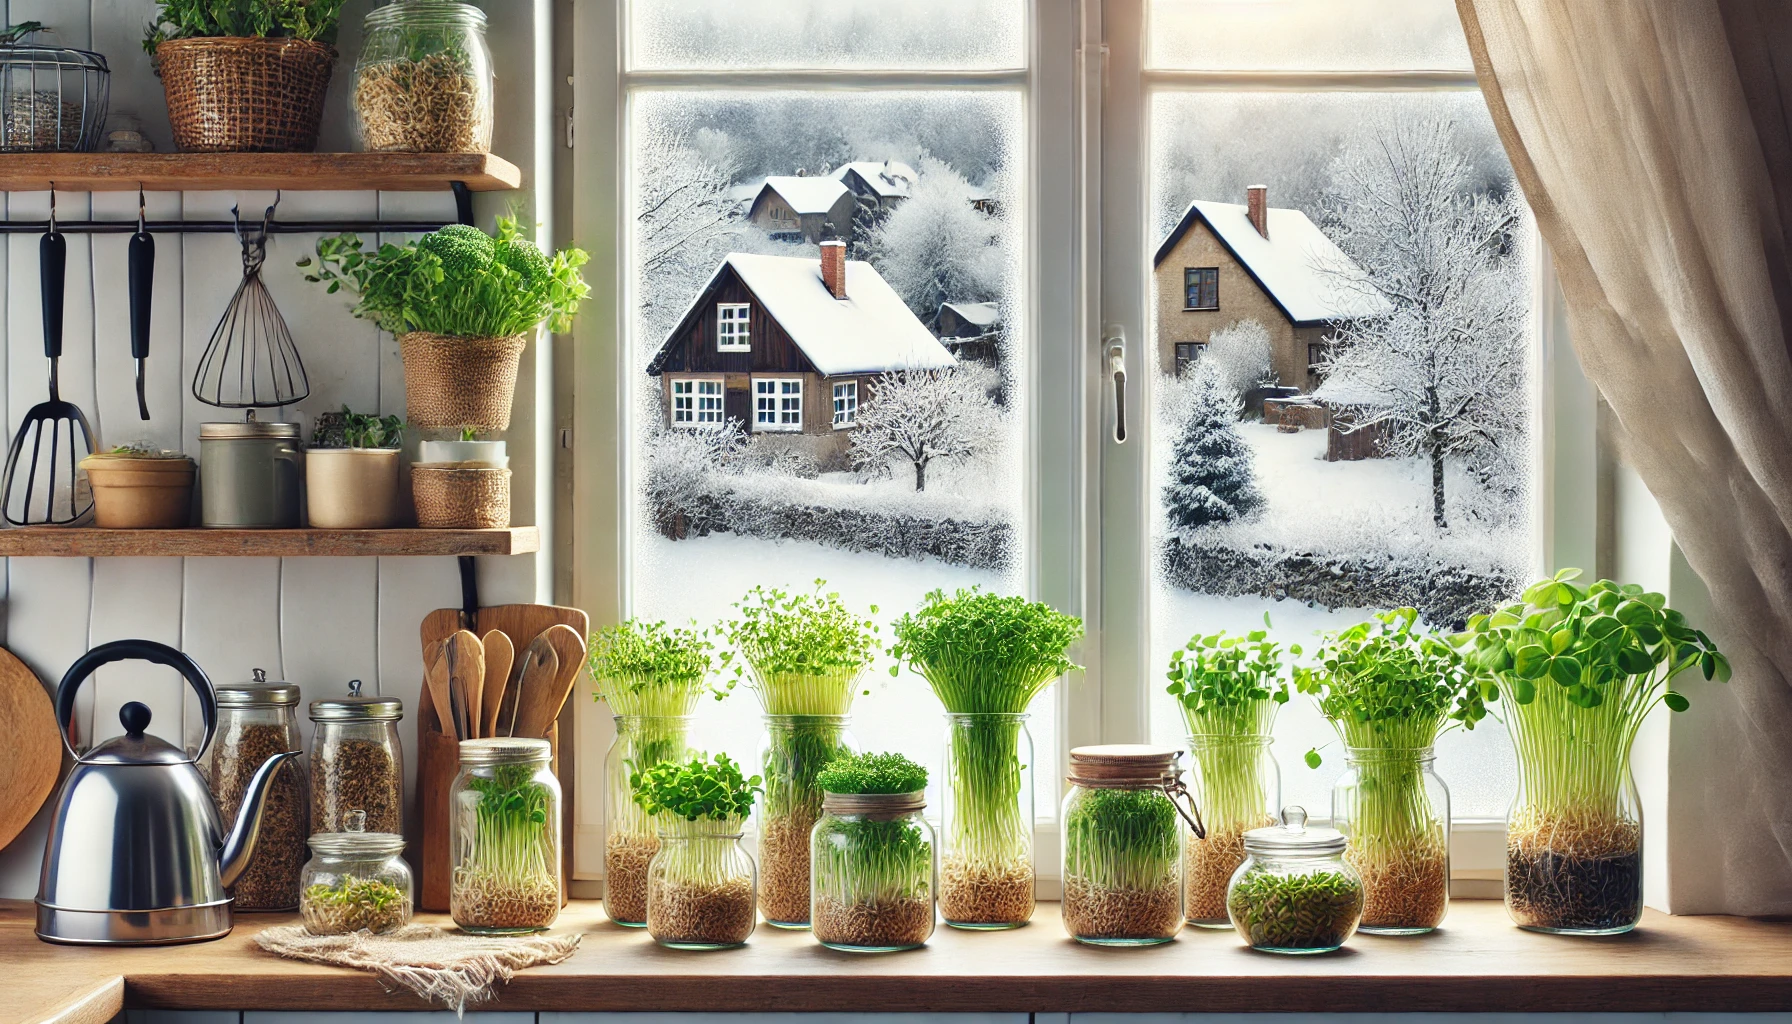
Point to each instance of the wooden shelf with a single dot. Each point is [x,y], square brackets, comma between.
[88,542]
[212,172]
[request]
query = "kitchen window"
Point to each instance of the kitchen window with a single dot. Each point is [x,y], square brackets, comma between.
[777,404]
[731,327]
[846,404]
[1201,288]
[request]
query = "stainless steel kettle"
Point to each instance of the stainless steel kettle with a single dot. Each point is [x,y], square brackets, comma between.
[136,853]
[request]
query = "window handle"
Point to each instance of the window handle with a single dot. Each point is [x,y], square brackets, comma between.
[1114,340]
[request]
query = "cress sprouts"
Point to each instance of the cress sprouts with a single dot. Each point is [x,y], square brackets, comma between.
[507,876]
[1121,849]
[707,788]
[651,669]
[872,773]
[803,653]
[700,890]
[873,859]
[354,904]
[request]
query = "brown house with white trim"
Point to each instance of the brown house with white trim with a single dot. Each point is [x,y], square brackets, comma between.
[797,208]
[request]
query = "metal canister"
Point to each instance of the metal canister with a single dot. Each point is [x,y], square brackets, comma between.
[250,474]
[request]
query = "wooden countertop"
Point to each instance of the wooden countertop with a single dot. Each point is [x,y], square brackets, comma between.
[1476,962]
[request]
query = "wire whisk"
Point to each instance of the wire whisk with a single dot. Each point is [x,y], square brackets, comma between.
[251,361]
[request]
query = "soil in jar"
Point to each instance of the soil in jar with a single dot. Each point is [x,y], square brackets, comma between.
[701,915]
[1097,913]
[1405,889]
[884,924]
[1573,877]
[354,904]
[1309,913]
[986,896]
[489,901]
[271,881]
[626,856]
[1208,867]
[428,105]
[784,868]
[355,775]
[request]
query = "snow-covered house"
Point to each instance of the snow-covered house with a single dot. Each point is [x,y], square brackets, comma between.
[1224,262]
[798,208]
[970,330]
[790,347]
[880,185]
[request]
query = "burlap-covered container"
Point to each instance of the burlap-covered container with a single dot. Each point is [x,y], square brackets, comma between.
[461,498]
[245,95]
[450,383]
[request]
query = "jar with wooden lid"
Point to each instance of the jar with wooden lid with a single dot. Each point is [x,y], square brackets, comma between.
[257,720]
[356,881]
[357,762]
[1123,844]
[873,866]
[1295,893]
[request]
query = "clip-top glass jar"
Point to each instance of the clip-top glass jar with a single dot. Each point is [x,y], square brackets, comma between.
[423,83]
[1395,814]
[505,810]
[356,881]
[255,722]
[874,867]
[1123,845]
[357,763]
[630,834]
[1295,893]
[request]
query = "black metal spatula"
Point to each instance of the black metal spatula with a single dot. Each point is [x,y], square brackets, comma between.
[54,432]
[143,279]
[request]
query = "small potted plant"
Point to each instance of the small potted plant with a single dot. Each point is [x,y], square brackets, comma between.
[986,657]
[465,452]
[244,75]
[352,483]
[1575,671]
[700,892]
[140,486]
[873,857]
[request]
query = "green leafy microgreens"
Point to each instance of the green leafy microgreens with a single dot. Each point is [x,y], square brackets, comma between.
[802,652]
[872,773]
[1229,684]
[649,668]
[367,430]
[985,653]
[187,19]
[702,788]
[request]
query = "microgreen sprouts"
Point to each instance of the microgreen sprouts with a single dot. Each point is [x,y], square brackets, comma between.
[1122,839]
[507,877]
[873,868]
[649,668]
[872,773]
[707,788]
[803,653]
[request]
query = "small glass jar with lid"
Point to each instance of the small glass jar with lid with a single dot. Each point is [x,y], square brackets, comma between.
[256,721]
[1295,893]
[423,83]
[505,843]
[357,763]
[356,881]
[1123,845]
[874,866]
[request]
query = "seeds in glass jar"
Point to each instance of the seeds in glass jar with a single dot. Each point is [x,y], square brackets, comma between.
[1293,913]
[1565,874]
[271,881]
[1096,913]
[428,105]
[784,866]
[884,924]
[626,856]
[1407,888]
[1208,869]
[501,902]
[353,904]
[985,895]
[355,775]
[703,915]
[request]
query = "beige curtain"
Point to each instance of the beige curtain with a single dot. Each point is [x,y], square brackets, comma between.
[1653,139]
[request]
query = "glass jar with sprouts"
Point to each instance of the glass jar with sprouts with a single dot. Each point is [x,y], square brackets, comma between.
[505,813]
[1295,892]
[1122,865]
[701,885]
[1229,688]
[986,657]
[1389,690]
[355,881]
[652,676]
[423,83]
[804,655]
[873,856]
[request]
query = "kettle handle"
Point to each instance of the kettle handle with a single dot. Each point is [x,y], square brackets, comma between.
[133,650]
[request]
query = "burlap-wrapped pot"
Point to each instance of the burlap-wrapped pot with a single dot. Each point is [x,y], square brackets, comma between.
[458,498]
[245,95]
[450,383]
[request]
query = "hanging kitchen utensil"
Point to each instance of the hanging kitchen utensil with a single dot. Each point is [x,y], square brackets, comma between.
[251,361]
[143,277]
[35,500]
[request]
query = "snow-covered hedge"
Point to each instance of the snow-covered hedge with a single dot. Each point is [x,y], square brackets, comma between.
[978,544]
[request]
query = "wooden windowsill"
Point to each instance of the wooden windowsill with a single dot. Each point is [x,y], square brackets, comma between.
[1477,962]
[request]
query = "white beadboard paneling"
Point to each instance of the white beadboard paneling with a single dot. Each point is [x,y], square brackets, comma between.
[329,621]
[409,589]
[341,354]
[137,100]
[230,617]
[139,598]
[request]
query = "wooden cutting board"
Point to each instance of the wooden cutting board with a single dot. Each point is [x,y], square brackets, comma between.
[30,749]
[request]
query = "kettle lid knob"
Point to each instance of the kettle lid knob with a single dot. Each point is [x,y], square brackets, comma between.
[134,716]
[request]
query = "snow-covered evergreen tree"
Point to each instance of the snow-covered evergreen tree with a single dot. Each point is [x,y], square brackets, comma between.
[917,417]
[1211,477]
[935,247]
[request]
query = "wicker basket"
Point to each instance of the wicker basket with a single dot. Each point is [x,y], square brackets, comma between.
[456,498]
[245,95]
[450,383]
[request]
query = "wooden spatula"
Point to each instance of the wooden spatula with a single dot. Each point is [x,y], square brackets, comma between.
[435,661]
[536,669]
[499,653]
[537,707]
[466,678]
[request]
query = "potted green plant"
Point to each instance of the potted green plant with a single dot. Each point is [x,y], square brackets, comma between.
[140,486]
[652,676]
[1575,671]
[1389,690]
[986,657]
[804,654]
[700,891]
[353,485]
[873,855]
[463,452]
[244,75]
[1229,688]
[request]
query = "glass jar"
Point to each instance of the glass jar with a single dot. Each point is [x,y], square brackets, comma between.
[1235,782]
[1295,893]
[1122,866]
[357,763]
[630,834]
[356,881]
[793,751]
[1395,814]
[986,870]
[255,722]
[702,891]
[874,865]
[504,808]
[1574,842]
[423,83]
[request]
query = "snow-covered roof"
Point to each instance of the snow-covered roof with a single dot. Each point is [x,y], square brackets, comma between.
[806,195]
[1297,265]
[983,314]
[890,179]
[869,331]
[1359,394]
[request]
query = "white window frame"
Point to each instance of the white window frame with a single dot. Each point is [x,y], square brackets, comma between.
[780,393]
[689,400]
[737,327]
[846,415]
[698,391]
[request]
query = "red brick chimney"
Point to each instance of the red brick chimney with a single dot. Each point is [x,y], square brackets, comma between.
[833,268]
[1257,208]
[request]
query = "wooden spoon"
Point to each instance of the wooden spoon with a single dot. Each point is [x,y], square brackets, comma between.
[466,678]
[536,670]
[499,654]
[435,662]
[569,646]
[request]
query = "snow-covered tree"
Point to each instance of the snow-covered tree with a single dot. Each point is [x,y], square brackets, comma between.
[684,221]
[1441,368]
[935,247]
[1239,353]
[1211,477]
[917,417]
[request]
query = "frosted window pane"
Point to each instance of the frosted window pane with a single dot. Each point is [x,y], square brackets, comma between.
[1384,35]
[1316,524]
[838,34]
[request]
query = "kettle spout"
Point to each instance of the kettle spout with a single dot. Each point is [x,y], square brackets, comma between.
[239,845]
